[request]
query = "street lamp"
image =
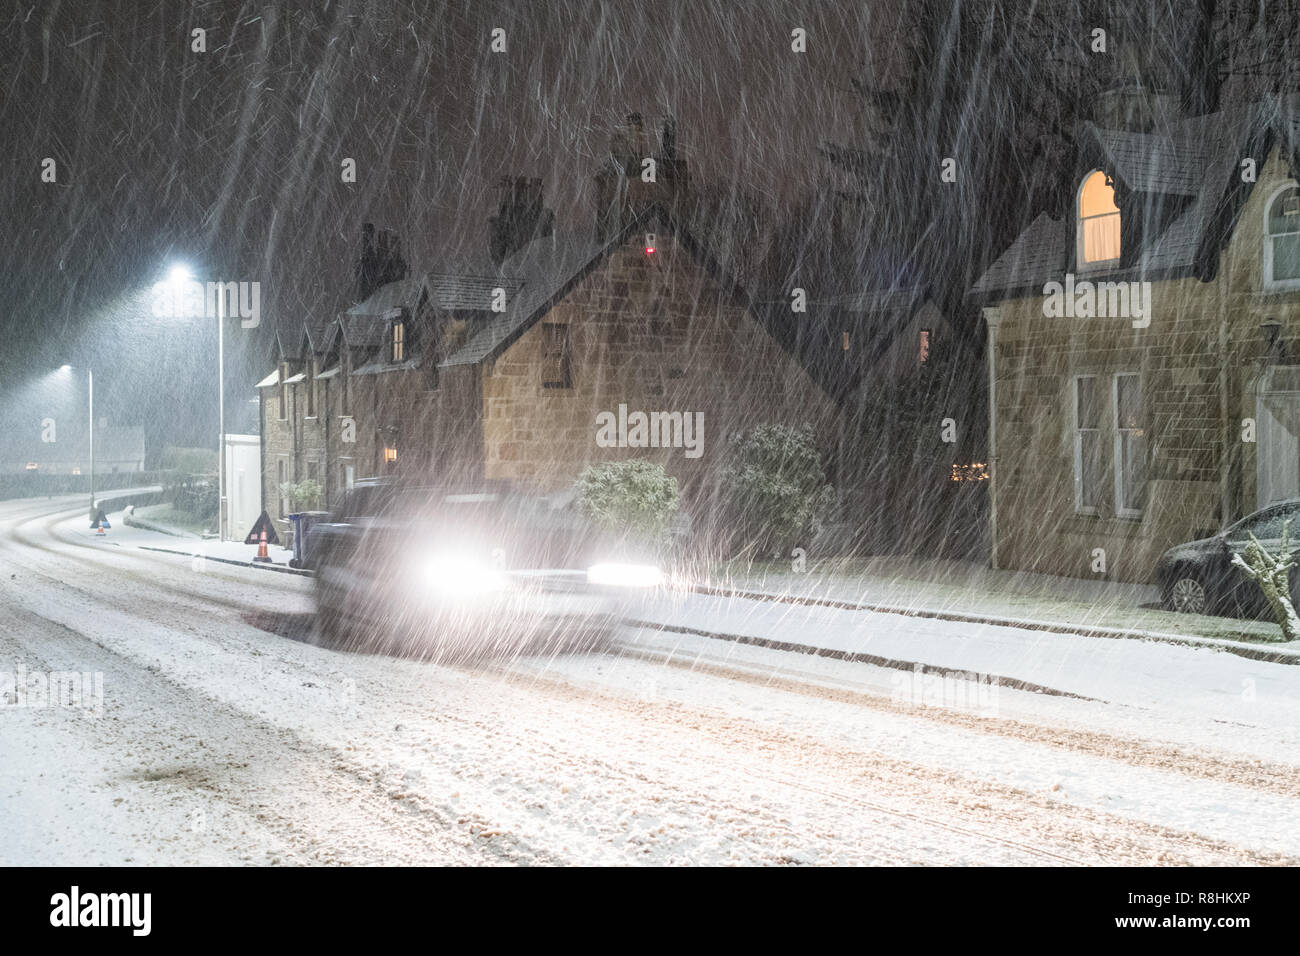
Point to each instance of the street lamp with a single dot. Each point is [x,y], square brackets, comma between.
[90,434]
[180,275]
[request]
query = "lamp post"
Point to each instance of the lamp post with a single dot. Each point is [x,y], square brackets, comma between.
[178,275]
[90,433]
[90,402]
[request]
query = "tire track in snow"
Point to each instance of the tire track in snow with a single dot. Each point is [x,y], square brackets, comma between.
[1114,838]
[1280,779]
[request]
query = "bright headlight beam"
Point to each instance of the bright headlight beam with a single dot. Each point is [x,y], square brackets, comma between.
[625,575]
[461,576]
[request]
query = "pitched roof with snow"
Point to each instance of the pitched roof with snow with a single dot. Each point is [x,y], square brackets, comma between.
[535,278]
[402,294]
[1190,168]
[542,271]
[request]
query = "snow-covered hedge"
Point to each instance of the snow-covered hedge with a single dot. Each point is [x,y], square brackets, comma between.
[776,489]
[634,500]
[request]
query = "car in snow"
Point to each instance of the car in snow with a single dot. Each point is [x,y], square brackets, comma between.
[450,574]
[1199,577]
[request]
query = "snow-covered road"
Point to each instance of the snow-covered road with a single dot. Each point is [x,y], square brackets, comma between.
[226,736]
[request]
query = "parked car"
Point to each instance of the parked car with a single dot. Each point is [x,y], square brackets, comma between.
[1200,578]
[454,574]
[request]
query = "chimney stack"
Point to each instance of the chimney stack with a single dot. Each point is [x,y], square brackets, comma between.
[637,175]
[380,263]
[521,217]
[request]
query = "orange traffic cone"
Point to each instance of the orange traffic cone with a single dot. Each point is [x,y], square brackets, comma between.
[261,549]
[99,529]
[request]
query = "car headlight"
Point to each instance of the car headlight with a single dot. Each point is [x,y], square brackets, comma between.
[457,576]
[625,575]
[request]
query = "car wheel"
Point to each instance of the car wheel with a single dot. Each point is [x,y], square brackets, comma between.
[1187,594]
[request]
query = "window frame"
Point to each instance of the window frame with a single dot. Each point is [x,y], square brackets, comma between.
[282,474]
[1117,444]
[1077,444]
[397,341]
[1266,274]
[565,356]
[1081,264]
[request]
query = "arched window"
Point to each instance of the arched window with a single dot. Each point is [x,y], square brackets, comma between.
[1098,221]
[1282,239]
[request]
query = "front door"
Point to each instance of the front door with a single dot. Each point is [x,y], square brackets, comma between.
[1277,449]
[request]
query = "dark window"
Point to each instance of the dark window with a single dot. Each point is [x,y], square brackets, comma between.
[557,358]
[311,390]
[345,373]
[284,392]
[1282,249]
[1130,446]
[1087,444]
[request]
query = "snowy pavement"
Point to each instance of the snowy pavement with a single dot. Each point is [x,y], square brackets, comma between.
[970,590]
[224,735]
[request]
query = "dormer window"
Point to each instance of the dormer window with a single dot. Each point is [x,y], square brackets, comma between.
[1282,239]
[397,342]
[1098,232]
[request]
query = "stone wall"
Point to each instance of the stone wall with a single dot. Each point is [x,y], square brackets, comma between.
[655,333]
[1199,362]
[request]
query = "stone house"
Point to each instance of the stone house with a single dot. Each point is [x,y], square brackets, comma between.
[556,351]
[1142,350]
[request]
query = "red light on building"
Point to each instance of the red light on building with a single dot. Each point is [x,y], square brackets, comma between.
[649,250]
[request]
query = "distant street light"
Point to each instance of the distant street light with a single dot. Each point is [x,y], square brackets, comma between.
[180,275]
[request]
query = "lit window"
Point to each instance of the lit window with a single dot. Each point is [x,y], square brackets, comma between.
[1087,444]
[1130,446]
[390,455]
[557,357]
[1282,239]
[1098,221]
[975,471]
[925,345]
[399,341]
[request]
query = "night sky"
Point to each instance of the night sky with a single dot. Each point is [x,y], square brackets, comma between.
[229,160]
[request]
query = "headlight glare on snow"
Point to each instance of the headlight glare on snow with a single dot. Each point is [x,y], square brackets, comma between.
[460,576]
[625,575]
